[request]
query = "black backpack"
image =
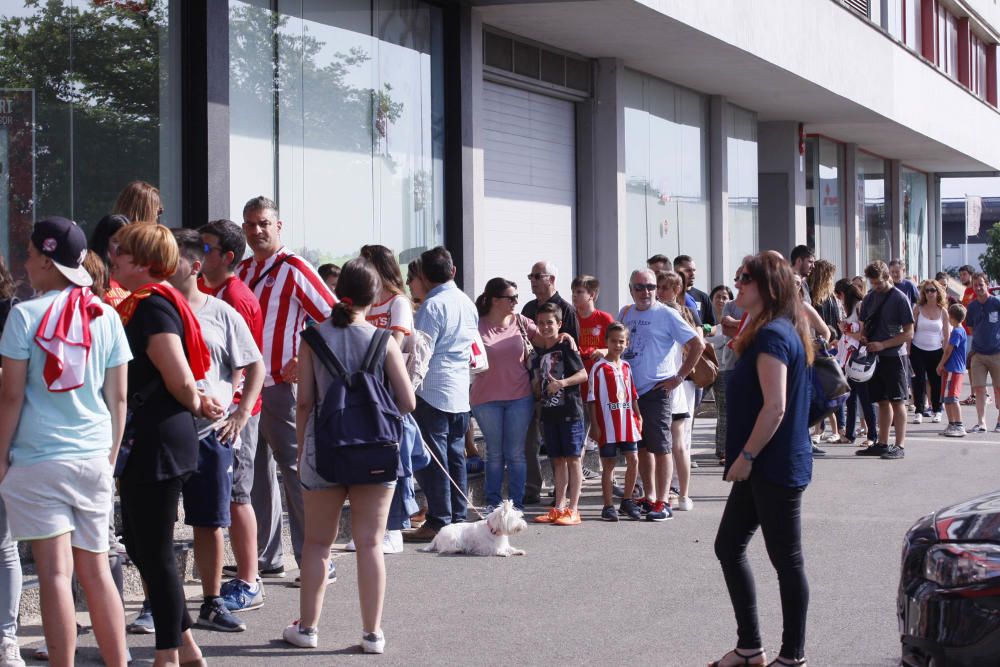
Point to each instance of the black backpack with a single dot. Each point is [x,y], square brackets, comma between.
[358,428]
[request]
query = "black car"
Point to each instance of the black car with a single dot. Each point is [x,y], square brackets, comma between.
[949,589]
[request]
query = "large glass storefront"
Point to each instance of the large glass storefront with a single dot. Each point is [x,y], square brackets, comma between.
[872,209]
[741,155]
[915,241]
[336,111]
[89,100]
[666,162]
[825,200]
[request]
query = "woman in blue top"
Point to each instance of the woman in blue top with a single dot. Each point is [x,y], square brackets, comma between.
[768,456]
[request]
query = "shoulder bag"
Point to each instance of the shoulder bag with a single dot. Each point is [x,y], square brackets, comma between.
[528,358]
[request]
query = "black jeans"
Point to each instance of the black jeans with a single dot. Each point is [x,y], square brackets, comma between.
[149,512]
[776,509]
[925,365]
[859,393]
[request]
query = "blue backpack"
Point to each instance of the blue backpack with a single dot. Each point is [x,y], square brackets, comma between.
[358,428]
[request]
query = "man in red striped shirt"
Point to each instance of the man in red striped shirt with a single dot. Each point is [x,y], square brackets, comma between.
[289,290]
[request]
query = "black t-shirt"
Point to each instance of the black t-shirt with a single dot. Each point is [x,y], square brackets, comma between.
[166,441]
[894,313]
[570,324]
[704,306]
[559,361]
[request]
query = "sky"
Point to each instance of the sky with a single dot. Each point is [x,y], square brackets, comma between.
[958,188]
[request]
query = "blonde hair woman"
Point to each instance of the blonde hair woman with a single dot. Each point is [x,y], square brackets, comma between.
[930,332]
[139,202]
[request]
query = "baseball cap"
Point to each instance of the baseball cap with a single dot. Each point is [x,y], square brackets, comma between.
[63,242]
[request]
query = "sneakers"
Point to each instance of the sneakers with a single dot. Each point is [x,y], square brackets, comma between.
[392,542]
[266,573]
[894,452]
[936,418]
[617,490]
[215,616]
[878,449]
[373,642]
[296,635]
[978,428]
[549,517]
[660,512]
[917,418]
[685,504]
[568,518]
[589,474]
[645,505]
[609,513]
[954,431]
[331,575]
[238,595]
[143,623]
[816,451]
[630,509]
[10,653]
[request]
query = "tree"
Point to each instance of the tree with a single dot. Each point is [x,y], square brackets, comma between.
[990,260]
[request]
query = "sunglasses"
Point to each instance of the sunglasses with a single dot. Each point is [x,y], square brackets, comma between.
[931,290]
[744,278]
[209,248]
[538,276]
[644,287]
[512,298]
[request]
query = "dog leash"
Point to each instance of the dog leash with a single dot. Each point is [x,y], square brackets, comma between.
[444,469]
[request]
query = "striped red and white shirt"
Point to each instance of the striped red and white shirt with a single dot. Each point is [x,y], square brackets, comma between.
[287,294]
[615,394]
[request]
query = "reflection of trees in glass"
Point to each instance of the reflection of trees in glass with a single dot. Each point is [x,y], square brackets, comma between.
[95,70]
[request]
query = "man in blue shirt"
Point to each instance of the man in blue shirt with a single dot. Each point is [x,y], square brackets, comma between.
[897,269]
[983,323]
[449,318]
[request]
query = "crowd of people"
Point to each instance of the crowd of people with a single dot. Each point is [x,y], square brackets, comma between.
[166,360]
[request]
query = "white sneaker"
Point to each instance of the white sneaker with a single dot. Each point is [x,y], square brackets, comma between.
[917,418]
[10,653]
[684,504]
[392,542]
[372,642]
[296,635]
[936,418]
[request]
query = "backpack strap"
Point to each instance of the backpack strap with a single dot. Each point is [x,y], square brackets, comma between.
[314,339]
[376,350]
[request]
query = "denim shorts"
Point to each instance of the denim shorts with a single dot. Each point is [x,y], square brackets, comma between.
[563,439]
[208,491]
[610,450]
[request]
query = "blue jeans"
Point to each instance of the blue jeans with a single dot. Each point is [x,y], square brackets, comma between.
[10,579]
[859,392]
[444,433]
[505,425]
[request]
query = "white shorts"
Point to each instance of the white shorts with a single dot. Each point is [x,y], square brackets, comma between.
[52,498]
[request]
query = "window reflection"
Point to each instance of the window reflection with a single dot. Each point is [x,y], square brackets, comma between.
[741,156]
[876,238]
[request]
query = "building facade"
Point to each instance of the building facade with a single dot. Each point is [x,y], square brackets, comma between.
[592,133]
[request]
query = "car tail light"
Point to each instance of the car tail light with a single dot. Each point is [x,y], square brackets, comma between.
[953,565]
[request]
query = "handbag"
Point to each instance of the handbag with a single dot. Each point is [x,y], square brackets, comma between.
[706,370]
[528,358]
[828,386]
[478,361]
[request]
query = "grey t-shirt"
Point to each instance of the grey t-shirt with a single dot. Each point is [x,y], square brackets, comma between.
[895,314]
[231,346]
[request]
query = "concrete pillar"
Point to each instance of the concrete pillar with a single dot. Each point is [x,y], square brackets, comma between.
[718,179]
[935,236]
[472,171]
[601,215]
[851,209]
[894,204]
[781,186]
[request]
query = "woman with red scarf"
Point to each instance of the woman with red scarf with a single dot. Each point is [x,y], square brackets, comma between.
[161,439]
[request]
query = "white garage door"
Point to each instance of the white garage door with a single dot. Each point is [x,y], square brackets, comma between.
[530,165]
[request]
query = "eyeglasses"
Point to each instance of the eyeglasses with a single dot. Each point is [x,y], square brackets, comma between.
[744,278]
[512,297]
[209,248]
[644,287]
[538,276]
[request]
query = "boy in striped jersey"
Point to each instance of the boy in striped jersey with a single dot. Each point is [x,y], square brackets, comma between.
[615,423]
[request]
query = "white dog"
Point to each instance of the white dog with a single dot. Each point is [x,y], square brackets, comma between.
[487,537]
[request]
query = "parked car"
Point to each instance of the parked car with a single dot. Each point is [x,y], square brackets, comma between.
[949,588]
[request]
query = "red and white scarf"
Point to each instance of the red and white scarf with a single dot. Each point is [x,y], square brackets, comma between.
[64,335]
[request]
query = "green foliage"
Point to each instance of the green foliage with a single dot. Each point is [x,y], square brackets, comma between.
[990,260]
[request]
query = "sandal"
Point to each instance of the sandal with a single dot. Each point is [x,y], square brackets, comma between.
[781,662]
[746,658]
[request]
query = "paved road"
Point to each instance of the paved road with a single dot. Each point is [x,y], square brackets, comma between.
[638,592]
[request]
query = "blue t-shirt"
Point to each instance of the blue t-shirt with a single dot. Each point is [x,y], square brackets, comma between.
[652,335]
[910,291]
[956,362]
[984,320]
[787,458]
[65,425]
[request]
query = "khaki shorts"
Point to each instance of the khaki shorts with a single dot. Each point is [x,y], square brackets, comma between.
[52,498]
[983,364]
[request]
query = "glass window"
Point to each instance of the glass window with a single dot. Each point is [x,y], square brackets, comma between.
[666,162]
[825,202]
[912,24]
[741,155]
[875,235]
[894,19]
[915,242]
[89,101]
[345,124]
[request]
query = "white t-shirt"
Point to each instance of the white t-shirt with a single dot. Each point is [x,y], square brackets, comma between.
[652,335]
[395,314]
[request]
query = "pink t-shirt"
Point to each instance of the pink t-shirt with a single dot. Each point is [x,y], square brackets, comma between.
[506,379]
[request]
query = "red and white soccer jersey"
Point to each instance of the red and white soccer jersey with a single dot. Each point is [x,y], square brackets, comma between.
[611,387]
[288,293]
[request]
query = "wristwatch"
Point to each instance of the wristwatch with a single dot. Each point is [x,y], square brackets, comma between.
[747,455]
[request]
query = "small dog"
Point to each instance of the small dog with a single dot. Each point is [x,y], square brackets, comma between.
[487,537]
